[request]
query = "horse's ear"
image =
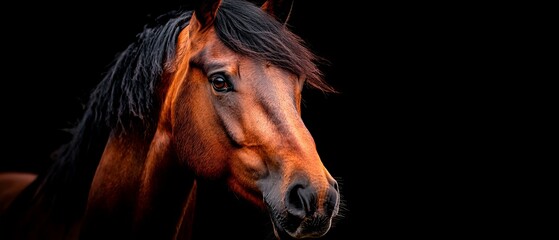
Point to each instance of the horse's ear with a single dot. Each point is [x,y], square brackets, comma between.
[280,9]
[205,11]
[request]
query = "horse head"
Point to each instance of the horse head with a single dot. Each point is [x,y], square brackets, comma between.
[233,110]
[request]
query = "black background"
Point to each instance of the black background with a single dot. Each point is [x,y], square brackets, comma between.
[403,136]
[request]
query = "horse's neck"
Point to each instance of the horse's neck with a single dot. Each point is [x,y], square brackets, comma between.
[140,189]
[185,225]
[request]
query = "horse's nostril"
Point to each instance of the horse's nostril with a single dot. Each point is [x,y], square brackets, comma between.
[301,200]
[306,214]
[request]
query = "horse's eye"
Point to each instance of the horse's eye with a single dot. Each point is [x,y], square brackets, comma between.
[220,83]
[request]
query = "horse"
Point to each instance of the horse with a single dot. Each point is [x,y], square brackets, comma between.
[204,107]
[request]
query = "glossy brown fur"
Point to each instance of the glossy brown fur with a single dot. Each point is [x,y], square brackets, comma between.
[11,185]
[251,139]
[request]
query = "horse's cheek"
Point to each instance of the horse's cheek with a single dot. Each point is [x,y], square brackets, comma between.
[206,160]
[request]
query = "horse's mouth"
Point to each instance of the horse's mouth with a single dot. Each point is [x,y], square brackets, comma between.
[287,226]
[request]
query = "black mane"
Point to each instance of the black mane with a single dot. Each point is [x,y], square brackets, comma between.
[126,100]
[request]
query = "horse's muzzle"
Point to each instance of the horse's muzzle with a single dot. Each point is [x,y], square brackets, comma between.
[305,213]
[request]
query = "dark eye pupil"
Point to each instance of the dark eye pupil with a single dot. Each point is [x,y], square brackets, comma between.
[219,83]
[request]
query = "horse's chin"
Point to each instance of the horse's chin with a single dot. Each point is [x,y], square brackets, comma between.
[290,227]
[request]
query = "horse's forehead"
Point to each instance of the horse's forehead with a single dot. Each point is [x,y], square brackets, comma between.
[206,47]
[215,50]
